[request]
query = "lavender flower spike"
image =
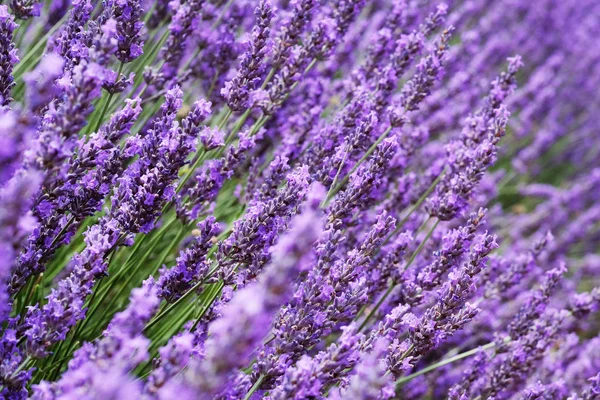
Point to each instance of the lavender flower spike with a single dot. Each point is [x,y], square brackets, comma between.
[246,319]
[100,370]
[127,13]
[25,9]
[8,55]
[138,199]
[370,381]
[237,91]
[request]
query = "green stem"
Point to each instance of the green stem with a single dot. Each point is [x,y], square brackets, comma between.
[446,361]
[171,306]
[335,179]
[23,65]
[211,299]
[107,101]
[363,325]
[132,274]
[415,206]
[226,117]
[128,263]
[255,387]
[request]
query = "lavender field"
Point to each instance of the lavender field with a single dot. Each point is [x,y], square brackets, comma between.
[300,199]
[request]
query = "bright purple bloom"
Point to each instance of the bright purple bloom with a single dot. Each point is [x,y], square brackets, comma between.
[127,13]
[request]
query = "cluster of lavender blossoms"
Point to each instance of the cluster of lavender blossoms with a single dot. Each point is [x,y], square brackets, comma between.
[272,199]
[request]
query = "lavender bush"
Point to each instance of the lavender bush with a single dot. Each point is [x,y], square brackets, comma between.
[273,199]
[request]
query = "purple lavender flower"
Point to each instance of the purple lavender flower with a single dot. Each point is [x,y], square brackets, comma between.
[58,9]
[25,9]
[309,375]
[247,249]
[95,366]
[292,29]
[370,381]
[8,55]
[536,304]
[403,133]
[69,43]
[127,13]
[192,263]
[212,175]
[236,91]
[246,319]
[319,45]
[14,137]
[174,357]
[451,311]
[62,123]
[454,245]
[140,195]
[510,373]
[470,156]
[331,293]
[182,25]
[41,87]
[89,178]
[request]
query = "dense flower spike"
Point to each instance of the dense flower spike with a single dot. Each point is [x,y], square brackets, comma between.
[279,199]
[8,55]
[475,151]
[237,91]
[181,27]
[98,164]
[129,27]
[192,263]
[122,348]
[135,206]
[245,321]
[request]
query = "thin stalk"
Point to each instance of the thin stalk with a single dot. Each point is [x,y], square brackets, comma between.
[226,117]
[443,362]
[107,101]
[358,164]
[128,262]
[132,274]
[23,65]
[330,193]
[212,298]
[171,306]
[415,206]
[255,387]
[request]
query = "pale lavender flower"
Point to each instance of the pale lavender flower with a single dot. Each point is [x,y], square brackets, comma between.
[370,380]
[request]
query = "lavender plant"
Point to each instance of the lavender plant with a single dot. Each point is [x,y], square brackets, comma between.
[273,199]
